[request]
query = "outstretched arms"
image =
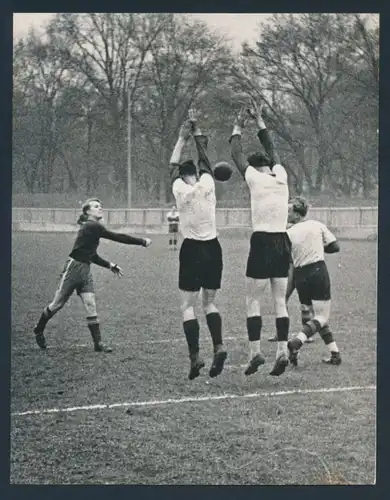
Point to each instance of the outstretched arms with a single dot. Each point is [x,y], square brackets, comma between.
[123,238]
[255,112]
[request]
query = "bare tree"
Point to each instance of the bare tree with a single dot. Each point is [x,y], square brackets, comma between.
[185,59]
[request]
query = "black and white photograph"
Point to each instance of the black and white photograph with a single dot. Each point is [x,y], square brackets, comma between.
[194,249]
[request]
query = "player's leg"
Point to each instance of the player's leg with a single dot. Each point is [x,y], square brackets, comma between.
[189,286]
[210,267]
[191,330]
[289,292]
[170,237]
[282,323]
[86,292]
[255,289]
[256,282]
[214,323]
[278,259]
[64,290]
[327,336]
[174,238]
[313,286]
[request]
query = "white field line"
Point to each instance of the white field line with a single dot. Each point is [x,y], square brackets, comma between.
[159,402]
[126,344]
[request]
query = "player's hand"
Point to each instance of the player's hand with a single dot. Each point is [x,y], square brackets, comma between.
[148,242]
[241,118]
[192,115]
[185,130]
[256,109]
[116,270]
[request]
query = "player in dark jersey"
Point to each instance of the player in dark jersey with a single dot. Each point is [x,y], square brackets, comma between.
[77,271]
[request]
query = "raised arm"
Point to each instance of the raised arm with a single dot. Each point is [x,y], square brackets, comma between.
[174,163]
[201,142]
[264,136]
[236,145]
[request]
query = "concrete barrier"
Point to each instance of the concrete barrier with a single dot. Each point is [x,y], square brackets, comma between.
[345,222]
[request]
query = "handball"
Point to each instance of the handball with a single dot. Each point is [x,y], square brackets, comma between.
[222,171]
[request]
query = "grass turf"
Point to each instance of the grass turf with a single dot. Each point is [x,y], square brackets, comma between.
[299,438]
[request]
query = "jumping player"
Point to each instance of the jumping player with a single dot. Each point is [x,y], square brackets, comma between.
[310,239]
[77,271]
[173,227]
[200,258]
[269,254]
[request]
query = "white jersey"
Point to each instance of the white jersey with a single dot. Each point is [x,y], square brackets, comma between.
[269,199]
[196,205]
[308,239]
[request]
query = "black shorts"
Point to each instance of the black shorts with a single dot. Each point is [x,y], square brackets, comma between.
[173,228]
[200,265]
[269,255]
[312,282]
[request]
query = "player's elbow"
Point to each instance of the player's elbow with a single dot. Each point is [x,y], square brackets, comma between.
[333,247]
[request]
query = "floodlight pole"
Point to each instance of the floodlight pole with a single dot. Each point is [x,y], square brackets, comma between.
[129,147]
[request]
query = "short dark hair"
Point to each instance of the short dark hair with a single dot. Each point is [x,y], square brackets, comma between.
[259,159]
[85,207]
[188,167]
[300,205]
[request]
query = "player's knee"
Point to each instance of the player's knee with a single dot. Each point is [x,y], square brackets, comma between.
[209,308]
[90,307]
[322,320]
[89,303]
[208,301]
[252,306]
[188,312]
[280,305]
[56,305]
[306,313]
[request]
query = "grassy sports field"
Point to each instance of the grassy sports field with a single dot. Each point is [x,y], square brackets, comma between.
[133,417]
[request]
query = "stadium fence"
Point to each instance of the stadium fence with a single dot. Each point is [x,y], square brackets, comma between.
[347,222]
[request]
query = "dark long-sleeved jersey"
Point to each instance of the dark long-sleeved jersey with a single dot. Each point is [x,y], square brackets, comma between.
[88,238]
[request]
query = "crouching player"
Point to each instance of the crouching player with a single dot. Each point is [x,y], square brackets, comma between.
[77,275]
[309,240]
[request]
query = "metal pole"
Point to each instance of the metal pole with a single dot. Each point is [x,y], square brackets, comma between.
[129,147]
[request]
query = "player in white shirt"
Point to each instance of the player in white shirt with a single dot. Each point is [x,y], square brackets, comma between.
[269,254]
[173,227]
[200,259]
[310,240]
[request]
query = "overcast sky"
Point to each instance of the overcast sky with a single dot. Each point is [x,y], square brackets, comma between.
[239,27]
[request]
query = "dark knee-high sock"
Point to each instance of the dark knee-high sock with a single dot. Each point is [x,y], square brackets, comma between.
[214,322]
[94,328]
[191,330]
[282,328]
[327,337]
[254,325]
[43,320]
